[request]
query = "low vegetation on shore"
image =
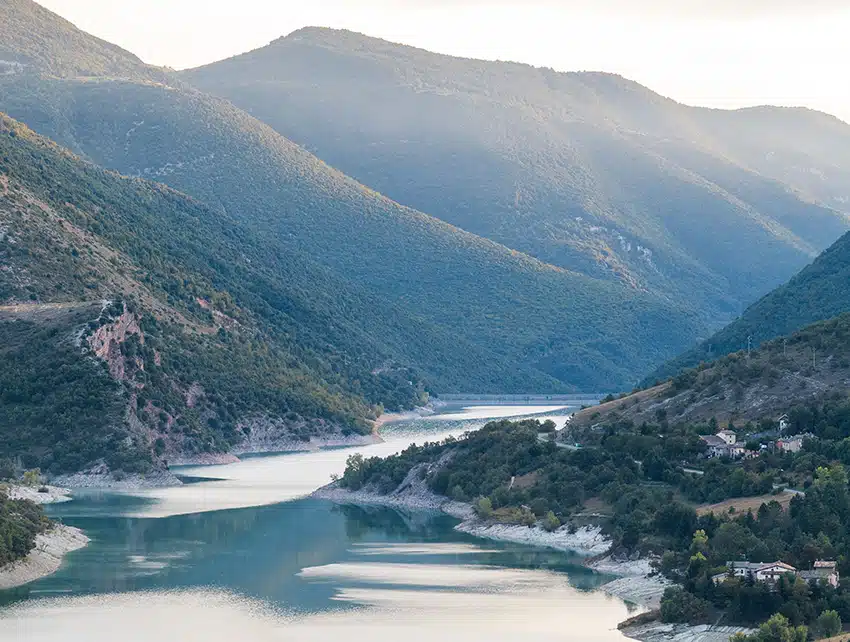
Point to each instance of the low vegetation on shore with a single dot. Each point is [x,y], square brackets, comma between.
[20,523]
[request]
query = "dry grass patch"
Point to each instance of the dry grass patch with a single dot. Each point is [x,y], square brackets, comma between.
[526,481]
[598,414]
[596,506]
[744,504]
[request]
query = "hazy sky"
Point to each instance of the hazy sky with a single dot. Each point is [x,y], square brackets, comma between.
[723,53]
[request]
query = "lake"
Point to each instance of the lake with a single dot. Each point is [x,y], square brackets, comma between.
[249,556]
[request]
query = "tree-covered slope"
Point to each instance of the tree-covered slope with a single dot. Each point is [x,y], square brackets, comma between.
[820,291]
[502,321]
[137,324]
[802,148]
[587,171]
[33,38]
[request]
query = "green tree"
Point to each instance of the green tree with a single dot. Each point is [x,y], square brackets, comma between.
[827,625]
[699,543]
[548,426]
[484,508]
[356,469]
[678,605]
[776,629]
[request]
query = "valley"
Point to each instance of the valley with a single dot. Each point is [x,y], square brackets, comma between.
[341,337]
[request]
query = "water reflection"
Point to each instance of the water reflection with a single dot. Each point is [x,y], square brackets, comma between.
[300,570]
[544,607]
[258,481]
[492,412]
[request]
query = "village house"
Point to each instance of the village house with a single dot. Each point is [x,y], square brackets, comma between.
[823,571]
[771,572]
[724,444]
[791,444]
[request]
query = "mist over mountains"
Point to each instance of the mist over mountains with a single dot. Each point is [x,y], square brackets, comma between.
[332,226]
[587,171]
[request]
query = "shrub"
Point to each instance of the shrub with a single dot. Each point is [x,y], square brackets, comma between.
[551,522]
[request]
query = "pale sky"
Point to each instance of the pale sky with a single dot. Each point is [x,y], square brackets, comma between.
[717,53]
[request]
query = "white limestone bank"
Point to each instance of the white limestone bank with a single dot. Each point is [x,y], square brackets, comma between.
[258,445]
[659,632]
[100,477]
[40,494]
[45,559]
[587,541]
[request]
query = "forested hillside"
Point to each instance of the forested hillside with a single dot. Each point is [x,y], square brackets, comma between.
[587,171]
[820,291]
[139,324]
[652,489]
[466,313]
[201,323]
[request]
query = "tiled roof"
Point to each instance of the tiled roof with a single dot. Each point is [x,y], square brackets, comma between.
[760,566]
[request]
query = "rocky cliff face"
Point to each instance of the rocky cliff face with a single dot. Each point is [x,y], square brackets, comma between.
[105,343]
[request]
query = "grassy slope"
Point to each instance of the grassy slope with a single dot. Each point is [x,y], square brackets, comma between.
[588,171]
[804,367]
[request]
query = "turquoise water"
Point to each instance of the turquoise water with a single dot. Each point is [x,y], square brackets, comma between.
[297,566]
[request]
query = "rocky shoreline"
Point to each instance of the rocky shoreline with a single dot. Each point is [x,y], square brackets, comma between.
[102,478]
[45,559]
[264,438]
[660,632]
[431,408]
[295,446]
[40,494]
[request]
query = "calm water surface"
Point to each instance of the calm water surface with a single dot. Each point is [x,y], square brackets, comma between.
[249,557]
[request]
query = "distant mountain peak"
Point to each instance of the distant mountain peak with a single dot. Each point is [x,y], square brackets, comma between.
[347,41]
[328,33]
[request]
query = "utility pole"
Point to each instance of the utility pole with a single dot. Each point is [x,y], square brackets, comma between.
[749,345]
[784,347]
[814,362]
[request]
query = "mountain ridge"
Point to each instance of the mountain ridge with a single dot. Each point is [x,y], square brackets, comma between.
[805,367]
[562,166]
